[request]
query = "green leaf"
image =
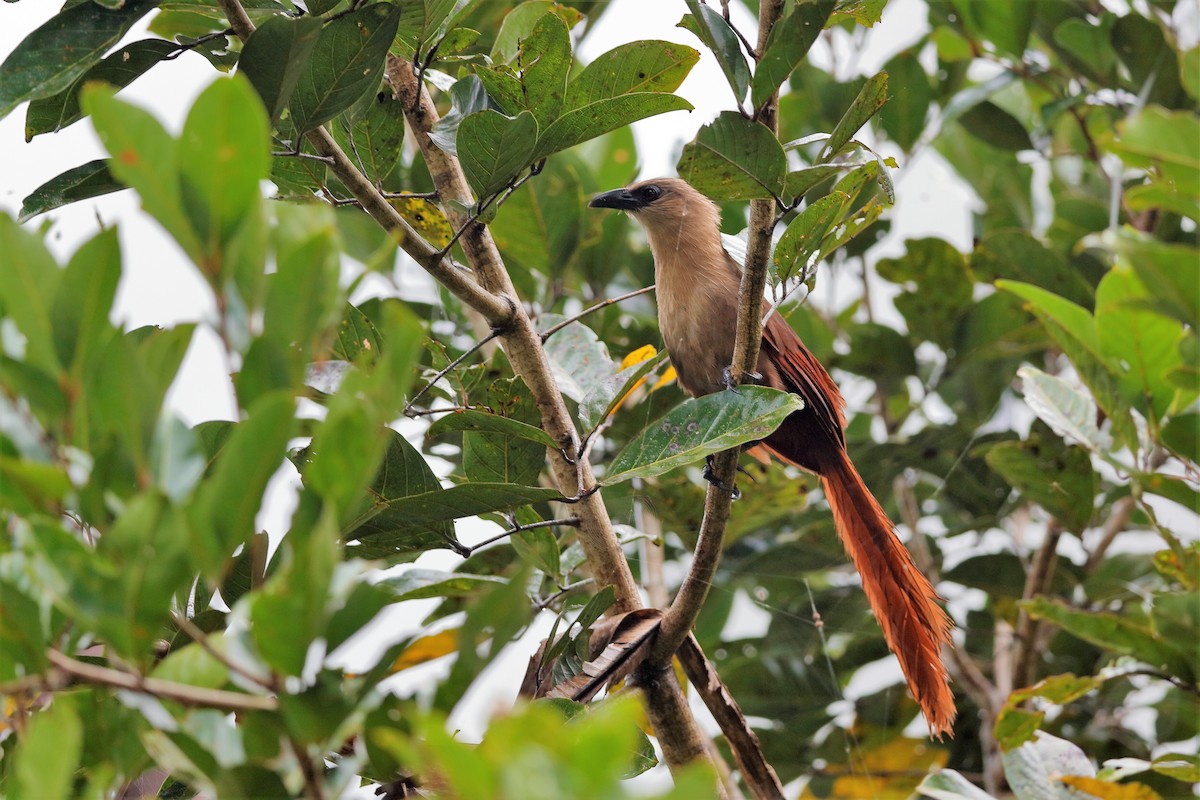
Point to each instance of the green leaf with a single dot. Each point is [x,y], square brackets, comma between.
[1036,768]
[598,118]
[421,584]
[539,227]
[1066,409]
[1115,632]
[636,67]
[798,183]
[224,149]
[123,67]
[990,123]
[1141,345]
[493,149]
[903,118]
[31,280]
[947,784]
[1047,471]
[1017,255]
[49,60]
[1163,141]
[519,22]
[578,358]
[78,183]
[375,137]
[84,299]
[225,506]
[1007,25]
[482,421]
[1182,434]
[1166,271]
[46,757]
[870,99]
[176,458]
[788,44]
[401,473]
[605,396]
[417,511]
[276,55]
[734,158]
[701,426]
[491,456]
[804,234]
[712,29]
[346,63]
[943,293]
[144,158]
[543,61]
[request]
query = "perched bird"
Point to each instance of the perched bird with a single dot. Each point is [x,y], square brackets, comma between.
[697,288]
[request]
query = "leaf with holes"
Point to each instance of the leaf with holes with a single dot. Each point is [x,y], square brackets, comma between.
[701,426]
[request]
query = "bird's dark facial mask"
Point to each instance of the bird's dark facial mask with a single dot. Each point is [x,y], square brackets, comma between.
[632,199]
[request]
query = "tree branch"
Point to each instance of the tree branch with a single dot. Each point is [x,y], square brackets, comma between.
[682,614]
[75,671]
[677,730]
[546,334]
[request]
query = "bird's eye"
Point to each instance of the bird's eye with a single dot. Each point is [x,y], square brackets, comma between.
[651,192]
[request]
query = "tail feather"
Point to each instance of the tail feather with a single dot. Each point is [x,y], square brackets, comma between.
[904,601]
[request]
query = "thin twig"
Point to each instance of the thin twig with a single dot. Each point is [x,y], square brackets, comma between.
[193,696]
[201,638]
[546,334]
[568,522]
[545,602]
[1037,582]
[448,369]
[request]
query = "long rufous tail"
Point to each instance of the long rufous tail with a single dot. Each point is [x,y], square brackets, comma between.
[904,601]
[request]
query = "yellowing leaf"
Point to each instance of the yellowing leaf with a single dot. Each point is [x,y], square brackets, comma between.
[427,648]
[425,218]
[1108,790]
[665,379]
[899,765]
[643,353]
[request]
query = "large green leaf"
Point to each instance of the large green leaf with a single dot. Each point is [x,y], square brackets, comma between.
[1142,346]
[543,61]
[605,396]
[734,158]
[345,64]
[499,457]
[539,228]
[415,512]
[375,136]
[579,359]
[31,279]
[1067,409]
[712,29]
[123,67]
[144,158]
[802,239]
[990,123]
[49,60]
[870,99]
[1167,272]
[78,183]
[493,149]
[701,426]
[487,422]
[223,513]
[944,288]
[84,299]
[642,66]
[601,116]
[787,45]
[1165,141]
[1017,255]
[44,761]
[224,149]
[276,55]
[903,118]
[1046,470]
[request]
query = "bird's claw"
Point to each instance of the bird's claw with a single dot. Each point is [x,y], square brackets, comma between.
[731,385]
[712,478]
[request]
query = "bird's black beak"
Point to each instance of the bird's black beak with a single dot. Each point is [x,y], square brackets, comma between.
[620,199]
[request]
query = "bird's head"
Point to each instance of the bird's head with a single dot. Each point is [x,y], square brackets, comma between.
[660,201]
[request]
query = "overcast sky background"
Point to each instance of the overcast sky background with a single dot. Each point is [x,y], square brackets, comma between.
[161,287]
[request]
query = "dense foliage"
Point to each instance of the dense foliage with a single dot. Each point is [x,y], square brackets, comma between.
[1026,409]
